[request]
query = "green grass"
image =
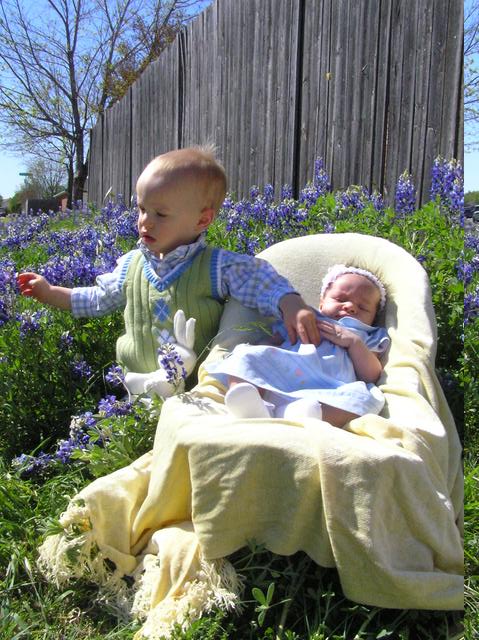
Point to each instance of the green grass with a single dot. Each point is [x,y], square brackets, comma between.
[306,601]
[471,544]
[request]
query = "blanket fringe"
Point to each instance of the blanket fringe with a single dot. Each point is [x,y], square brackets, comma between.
[216,586]
[75,554]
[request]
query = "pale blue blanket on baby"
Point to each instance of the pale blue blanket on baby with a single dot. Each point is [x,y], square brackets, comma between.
[324,373]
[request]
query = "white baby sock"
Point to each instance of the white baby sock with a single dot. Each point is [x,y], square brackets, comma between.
[298,409]
[243,401]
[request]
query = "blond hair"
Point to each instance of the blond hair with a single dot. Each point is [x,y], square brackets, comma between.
[200,165]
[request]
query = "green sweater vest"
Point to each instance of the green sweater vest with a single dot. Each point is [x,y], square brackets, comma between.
[151,304]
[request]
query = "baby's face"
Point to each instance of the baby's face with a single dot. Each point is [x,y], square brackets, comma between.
[351,295]
[169,214]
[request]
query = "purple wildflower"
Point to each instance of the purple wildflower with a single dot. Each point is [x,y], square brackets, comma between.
[79,426]
[466,270]
[447,184]
[30,322]
[65,341]
[81,369]
[172,363]
[471,306]
[405,198]
[321,179]
[115,376]
[110,406]
[65,449]
[27,466]
[253,192]
[268,193]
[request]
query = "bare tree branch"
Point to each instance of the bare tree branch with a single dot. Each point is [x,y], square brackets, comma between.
[62,62]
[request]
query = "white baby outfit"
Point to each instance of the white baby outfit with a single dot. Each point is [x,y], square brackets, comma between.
[323,374]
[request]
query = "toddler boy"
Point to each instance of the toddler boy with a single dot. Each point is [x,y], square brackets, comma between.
[173,268]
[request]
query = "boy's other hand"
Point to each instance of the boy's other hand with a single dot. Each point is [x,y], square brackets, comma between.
[38,287]
[33,285]
[299,319]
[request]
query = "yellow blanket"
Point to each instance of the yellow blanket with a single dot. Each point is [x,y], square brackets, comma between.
[381,498]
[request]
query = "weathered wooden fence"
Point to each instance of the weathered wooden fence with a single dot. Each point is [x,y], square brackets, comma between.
[374,87]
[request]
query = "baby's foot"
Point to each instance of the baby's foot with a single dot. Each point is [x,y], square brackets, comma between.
[243,401]
[299,409]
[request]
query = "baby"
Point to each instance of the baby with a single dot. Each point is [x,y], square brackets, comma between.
[335,381]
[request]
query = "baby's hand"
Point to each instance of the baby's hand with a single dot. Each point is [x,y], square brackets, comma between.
[336,334]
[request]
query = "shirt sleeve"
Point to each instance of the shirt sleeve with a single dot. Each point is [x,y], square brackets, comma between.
[378,340]
[253,282]
[105,297]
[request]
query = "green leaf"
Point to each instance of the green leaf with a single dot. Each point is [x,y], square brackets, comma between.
[258,595]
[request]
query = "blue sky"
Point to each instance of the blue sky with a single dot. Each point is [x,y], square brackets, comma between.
[471,171]
[10,167]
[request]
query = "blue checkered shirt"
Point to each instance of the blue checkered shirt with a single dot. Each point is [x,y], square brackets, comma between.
[251,281]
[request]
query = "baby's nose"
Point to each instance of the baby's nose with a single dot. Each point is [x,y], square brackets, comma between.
[350,306]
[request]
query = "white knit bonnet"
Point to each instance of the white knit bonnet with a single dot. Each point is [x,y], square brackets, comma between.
[340,269]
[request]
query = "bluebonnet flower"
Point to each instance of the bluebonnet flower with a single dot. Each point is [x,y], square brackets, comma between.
[79,427]
[115,375]
[65,449]
[471,306]
[377,201]
[110,406]
[465,270]
[81,369]
[253,192]
[228,203]
[268,193]
[471,242]
[21,229]
[353,200]
[260,222]
[8,290]
[405,197]
[172,363]
[65,341]
[4,312]
[27,466]
[29,322]
[309,195]
[321,178]
[447,184]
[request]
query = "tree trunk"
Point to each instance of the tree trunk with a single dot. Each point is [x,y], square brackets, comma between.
[81,172]
[70,182]
[79,179]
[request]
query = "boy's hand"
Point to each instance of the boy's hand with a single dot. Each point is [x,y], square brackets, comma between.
[299,319]
[38,287]
[33,285]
